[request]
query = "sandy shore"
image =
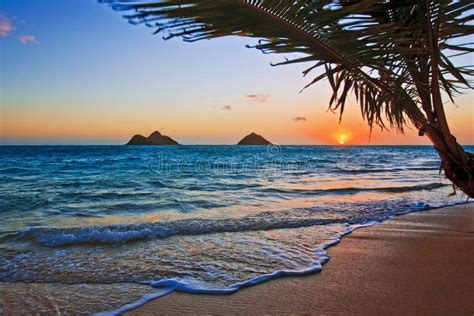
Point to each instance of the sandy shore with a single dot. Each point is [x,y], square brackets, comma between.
[421,263]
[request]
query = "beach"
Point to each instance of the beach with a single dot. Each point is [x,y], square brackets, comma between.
[420,263]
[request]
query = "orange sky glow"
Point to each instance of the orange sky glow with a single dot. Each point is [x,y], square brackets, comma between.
[210,126]
[103,81]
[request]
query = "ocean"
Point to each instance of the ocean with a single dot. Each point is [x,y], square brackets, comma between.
[106,228]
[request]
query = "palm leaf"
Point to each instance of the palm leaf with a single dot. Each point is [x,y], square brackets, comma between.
[377,49]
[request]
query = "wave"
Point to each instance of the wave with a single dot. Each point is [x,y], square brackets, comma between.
[157,183]
[105,195]
[375,170]
[22,202]
[15,170]
[123,233]
[436,168]
[353,190]
[115,234]
[201,187]
[221,187]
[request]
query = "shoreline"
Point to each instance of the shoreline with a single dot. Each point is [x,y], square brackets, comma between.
[404,264]
[416,263]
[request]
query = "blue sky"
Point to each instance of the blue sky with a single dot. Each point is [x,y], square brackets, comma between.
[76,72]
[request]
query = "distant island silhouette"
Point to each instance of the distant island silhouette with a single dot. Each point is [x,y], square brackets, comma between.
[155,138]
[253,139]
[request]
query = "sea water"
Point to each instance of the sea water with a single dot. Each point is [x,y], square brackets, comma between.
[105,228]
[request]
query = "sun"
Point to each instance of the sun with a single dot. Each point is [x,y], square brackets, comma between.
[342,139]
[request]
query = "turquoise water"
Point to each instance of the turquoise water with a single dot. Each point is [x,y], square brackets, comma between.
[197,218]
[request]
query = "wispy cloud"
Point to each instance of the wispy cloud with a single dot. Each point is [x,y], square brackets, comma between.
[299,119]
[260,98]
[25,39]
[226,108]
[6,26]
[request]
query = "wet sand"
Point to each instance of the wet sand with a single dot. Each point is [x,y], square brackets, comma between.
[421,263]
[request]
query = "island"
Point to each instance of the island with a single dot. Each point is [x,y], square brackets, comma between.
[253,139]
[155,138]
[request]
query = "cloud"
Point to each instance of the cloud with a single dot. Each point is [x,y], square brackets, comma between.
[260,98]
[6,26]
[25,39]
[226,107]
[299,119]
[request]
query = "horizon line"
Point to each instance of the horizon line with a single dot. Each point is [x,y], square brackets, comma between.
[328,145]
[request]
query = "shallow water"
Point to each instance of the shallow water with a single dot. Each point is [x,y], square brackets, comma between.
[201,218]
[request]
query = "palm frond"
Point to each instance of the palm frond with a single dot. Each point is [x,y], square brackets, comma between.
[379,50]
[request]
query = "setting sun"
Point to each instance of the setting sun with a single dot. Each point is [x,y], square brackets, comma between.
[342,138]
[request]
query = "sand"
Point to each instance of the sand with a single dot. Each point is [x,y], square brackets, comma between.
[421,263]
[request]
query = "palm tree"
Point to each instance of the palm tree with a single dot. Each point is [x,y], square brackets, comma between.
[395,56]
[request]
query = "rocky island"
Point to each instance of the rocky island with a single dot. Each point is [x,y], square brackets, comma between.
[253,139]
[155,138]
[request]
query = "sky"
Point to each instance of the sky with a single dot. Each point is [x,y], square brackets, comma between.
[75,72]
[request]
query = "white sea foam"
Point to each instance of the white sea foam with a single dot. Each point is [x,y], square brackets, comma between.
[190,285]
